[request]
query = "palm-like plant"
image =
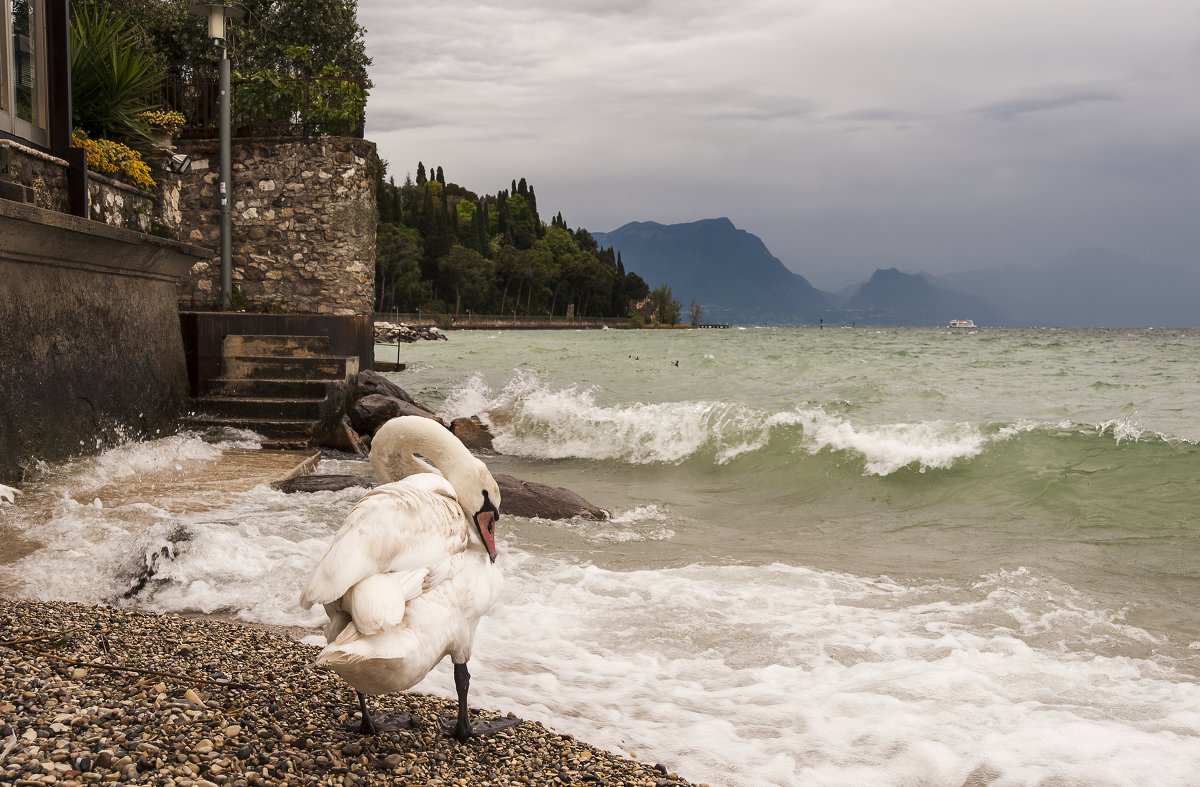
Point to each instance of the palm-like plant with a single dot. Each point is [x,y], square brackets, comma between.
[112,73]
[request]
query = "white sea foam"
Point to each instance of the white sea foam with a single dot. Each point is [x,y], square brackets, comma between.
[889,447]
[528,418]
[1129,427]
[531,419]
[782,675]
[134,459]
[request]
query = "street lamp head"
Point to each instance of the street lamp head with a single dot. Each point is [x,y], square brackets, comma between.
[179,163]
[217,13]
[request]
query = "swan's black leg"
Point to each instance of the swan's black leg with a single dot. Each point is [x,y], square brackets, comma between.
[368,726]
[462,682]
[463,728]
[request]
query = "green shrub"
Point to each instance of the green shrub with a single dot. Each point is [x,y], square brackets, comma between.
[111,75]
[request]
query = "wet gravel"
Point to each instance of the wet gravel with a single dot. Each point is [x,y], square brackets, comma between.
[96,695]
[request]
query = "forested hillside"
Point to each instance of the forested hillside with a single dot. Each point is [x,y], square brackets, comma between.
[444,249]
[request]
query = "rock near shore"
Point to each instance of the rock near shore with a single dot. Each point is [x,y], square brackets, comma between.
[394,333]
[531,499]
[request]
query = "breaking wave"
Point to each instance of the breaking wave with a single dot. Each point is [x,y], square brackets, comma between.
[532,419]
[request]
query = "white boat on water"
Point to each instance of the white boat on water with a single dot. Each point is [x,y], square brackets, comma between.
[961,324]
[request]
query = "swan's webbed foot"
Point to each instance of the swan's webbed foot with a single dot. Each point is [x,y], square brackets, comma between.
[455,727]
[373,725]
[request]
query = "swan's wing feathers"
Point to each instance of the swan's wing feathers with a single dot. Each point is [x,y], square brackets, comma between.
[443,570]
[379,600]
[397,527]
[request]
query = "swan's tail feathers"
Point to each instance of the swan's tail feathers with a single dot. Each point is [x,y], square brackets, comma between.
[378,601]
[347,634]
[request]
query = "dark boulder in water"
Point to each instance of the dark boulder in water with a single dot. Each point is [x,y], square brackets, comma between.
[531,499]
[370,382]
[472,432]
[374,410]
[343,437]
[157,546]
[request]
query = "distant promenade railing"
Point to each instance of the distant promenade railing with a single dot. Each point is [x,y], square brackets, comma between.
[494,321]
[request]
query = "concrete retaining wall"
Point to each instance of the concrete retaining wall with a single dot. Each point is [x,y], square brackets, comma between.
[90,343]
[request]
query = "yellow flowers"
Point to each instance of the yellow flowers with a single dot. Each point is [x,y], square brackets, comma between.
[167,120]
[117,160]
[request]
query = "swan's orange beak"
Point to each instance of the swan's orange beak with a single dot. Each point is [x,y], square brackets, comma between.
[485,523]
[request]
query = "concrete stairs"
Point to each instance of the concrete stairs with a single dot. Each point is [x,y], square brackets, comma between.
[289,389]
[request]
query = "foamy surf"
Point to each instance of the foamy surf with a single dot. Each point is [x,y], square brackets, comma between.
[779,675]
[531,419]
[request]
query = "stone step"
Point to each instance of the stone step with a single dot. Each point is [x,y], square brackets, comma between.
[267,388]
[277,432]
[265,367]
[250,407]
[280,345]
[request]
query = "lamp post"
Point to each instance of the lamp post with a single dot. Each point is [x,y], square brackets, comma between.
[217,13]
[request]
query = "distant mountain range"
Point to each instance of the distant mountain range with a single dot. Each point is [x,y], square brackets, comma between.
[736,279]
[728,271]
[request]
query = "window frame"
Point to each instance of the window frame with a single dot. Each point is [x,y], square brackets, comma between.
[37,131]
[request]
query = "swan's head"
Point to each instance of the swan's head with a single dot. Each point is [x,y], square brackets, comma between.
[393,456]
[479,495]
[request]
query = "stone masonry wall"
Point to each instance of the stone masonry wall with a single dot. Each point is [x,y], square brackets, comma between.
[110,201]
[303,225]
[46,175]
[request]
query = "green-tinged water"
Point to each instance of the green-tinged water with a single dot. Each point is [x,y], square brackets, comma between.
[910,453]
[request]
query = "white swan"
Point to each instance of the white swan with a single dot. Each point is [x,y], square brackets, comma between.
[412,570]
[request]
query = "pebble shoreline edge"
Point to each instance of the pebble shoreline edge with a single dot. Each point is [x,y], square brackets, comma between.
[101,695]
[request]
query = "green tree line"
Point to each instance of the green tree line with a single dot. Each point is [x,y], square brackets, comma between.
[441,248]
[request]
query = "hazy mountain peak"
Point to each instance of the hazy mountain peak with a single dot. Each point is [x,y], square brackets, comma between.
[728,271]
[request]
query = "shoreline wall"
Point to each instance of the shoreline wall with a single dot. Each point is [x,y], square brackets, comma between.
[90,345]
[303,225]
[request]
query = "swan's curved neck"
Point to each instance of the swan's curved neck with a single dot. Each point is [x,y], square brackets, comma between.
[399,445]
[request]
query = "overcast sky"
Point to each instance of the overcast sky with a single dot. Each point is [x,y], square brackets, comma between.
[930,135]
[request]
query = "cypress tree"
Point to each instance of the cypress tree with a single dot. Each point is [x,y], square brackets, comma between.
[421,179]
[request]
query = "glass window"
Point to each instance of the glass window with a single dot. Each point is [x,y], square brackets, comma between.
[25,71]
[22,66]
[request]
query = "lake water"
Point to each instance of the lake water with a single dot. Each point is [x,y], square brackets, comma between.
[837,557]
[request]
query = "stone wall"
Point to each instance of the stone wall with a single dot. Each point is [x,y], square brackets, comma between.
[91,350]
[110,201]
[303,225]
[44,174]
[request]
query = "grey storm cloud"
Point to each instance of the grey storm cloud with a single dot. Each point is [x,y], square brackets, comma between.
[1010,110]
[849,136]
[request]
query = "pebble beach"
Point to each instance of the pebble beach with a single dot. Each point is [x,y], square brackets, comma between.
[99,695]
